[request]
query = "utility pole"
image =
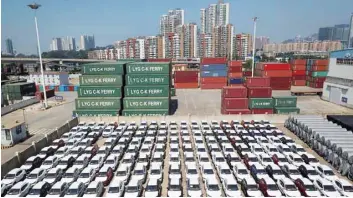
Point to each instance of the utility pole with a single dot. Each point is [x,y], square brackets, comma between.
[253,47]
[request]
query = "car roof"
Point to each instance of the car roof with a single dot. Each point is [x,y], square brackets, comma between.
[174,181]
[325,167]
[97,157]
[189,154]
[152,181]
[174,165]
[191,166]
[194,180]
[211,181]
[82,157]
[218,154]
[104,168]
[53,170]
[155,165]
[223,166]
[139,166]
[71,170]
[111,157]
[268,180]
[274,166]
[307,166]
[207,166]
[325,181]
[87,170]
[19,184]
[15,170]
[287,180]
[31,158]
[58,184]
[240,166]
[36,170]
[115,182]
[133,181]
[93,184]
[257,165]
[74,185]
[39,185]
[306,181]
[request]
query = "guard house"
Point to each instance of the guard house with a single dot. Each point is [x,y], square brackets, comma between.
[12,132]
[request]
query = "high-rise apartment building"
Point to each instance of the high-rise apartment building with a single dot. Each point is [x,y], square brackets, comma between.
[261,41]
[131,48]
[337,33]
[188,40]
[205,45]
[9,46]
[214,15]
[243,45]
[56,44]
[350,34]
[169,23]
[87,42]
[172,45]
[223,40]
[68,43]
[317,46]
[222,15]
[203,21]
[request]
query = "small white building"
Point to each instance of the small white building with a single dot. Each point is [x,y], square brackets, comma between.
[50,78]
[12,132]
[338,87]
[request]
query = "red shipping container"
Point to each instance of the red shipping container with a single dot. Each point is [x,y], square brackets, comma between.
[298,73]
[299,82]
[319,68]
[262,111]
[38,88]
[257,82]
[235,75]
[275,73]
[213,86]
[298,77]
[222,60]
[298,67]
[247,73]
[235,103]
[211,80]
[316,84]
[234,69]
[235,63]
[186,73]
[321,62]
[235,92]
[236,85]
[57,88]
[49,92]
[186,79]
[47,87]
[273,66]
[298,61]
[317,79]
[259,92]
[159,60]
[235,111]
[71,88]
[186,85]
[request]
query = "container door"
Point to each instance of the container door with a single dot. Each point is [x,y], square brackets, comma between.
[335,95]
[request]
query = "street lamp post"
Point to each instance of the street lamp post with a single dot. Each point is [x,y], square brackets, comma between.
[35,7]
[253,48]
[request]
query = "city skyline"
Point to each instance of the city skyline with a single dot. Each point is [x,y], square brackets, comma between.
[146,23]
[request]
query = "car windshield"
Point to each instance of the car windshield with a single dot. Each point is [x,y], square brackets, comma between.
[310,187]
[107,130]
[242,171]
[213,187]
[72,192]
[329,188]
[70,143]
[69,175]
[34,191]
[174,159]
[272,187]
[208,171]
[259,150]
[300,150]
[58,153]
[283,159]
[253,159]
[220,159]
[204,159]
[139,172]
[201,149]
[155,172]
[102,174]
[110,162]
[192,171]
[298,159]
[273,150]
[329,172]
[194,187]
[189,159]
[113,190]
[174,171]
[121,173]
[79,162]
[84,175]
[277,172]
[264,141]
[314,160]
[14,191]
[225,171]
[151,188]
[174,187]
[32,176]
[294,172]
[232,187]
[312,172]
[9,176]
[291,187]
[132,189]
[229,150]
[252,187]
[91,191]
[94,162]
[54,191]
[47,162]
[101,151]
[266,159]
[348,188]
[50,175]
[261,171]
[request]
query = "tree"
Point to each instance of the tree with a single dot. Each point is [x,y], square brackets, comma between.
[82,54]
[248,64]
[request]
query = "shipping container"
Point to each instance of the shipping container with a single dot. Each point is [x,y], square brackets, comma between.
[222,60]
[147,91]
[298,82]
[260,103]
[320,62]
[213,86]
[234,103]
[299,77]
[17,90]
[212,67]
[274,73]
[235,92]
[96,113]
[148,68]
[185,79]
[247,73]
[213,80]
[99,91]
[214,73]
[151,79]
[186,73]
[298,73]
[257,82]
[101,80]
[285,101]
[316,79]
[186,85]
[49,92]
[287,110]
[145,112]
[146,103]
[298,67]
[318,74]
[316,84]
[236,81]
[104,68]
[319,68]
[235,75]
[172,92]
[235,63]
[159,60]
[298,61]
[259,92]
[261,111]
[98,103]
[273,66]
[235,69]
[235,111]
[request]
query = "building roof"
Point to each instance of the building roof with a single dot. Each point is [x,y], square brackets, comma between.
[346,53]
[7,123]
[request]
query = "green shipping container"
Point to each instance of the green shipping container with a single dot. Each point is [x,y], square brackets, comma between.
[146,103]
[260,103]
[96,113]
[285,101]
[98,103]
[319,74]
[101,80]
[287,110]
[143,79]
[99,91]
[129,60]
[103,68]
[172,92]
[148,68]
[147,91]
[144,112]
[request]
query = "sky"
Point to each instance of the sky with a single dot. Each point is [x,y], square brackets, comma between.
[112,20]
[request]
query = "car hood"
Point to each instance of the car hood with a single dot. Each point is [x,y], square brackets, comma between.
[26,167]
[130,194]
[67,180]
[255,193]
[194,193]
[241,177]
[50,180]
[313,193]
[151,194]
[89,195]
[175,176]
[348,194]
[279,176]
[233,193]
[61,166]
[294,177]
[174,193]
[46,167]
[32,195]
[6,182]
[102,179]
[31,181]
[83,180]
[80,167]
[213,193]
[331,178]
[41,156]
[293,193]
[274,193]
[332,194]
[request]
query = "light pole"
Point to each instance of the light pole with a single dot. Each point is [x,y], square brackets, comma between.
[253,48]
[35,7]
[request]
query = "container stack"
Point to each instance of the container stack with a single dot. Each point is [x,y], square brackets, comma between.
[234,100]
[260,95]
[147,90]
[186,79]
[298,72]
[316,73]
[285,105]
[213,73]
[16,91]
[280,74]
[235,73]
[100,90]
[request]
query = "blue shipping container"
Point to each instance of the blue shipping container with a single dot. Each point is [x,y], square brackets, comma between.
[76,87]
[62,88]
[214,73]
[51,87]
[235,81]
[213,67]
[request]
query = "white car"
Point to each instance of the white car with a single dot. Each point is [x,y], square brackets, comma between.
[81,162]
[272,188]
[86,142]
[212,188]
[224,171]
[270,149]
[112,161]
[140,172]
[276,171]
[326,188]
[96,162]
[175,188]
[240,172]
[326,172]
[12,177]
[292,171]
[174,170]
[174,148]
[288,188]
[50,162]
[218,158]
[233,159]
[310,188]
[71,143]
[193,187]
[58,189]
[256,149]
[207,170]
[295,159]
[35,176]
[265,159]
[103,151]
[133,188]
[153,188]
[67,136]
[107,131]
[344,187]
[20,189]
[116,188]
[71,175]
[94,189]
[230,187]
[37,189]
[87,175]
[123,173]
[62,152]
[191,171]
[203,159]
[79,136]
[76,189]
[174,157]
[53,175]
[156,171]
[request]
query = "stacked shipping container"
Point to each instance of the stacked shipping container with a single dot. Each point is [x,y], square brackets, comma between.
[15,91]
[235,73]
[285,104]
[316,72]
[260,95]
[147,90]
[298,72]
[280,74]
[100,90]
[213,73]
[234,100]
[186,79]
